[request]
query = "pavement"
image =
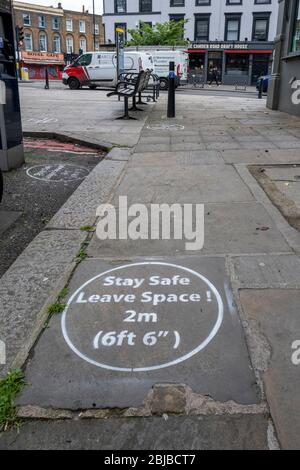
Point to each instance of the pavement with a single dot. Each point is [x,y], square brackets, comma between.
[159,347]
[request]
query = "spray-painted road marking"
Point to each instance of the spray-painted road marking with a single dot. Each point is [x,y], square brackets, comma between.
[60,172]
[175,313]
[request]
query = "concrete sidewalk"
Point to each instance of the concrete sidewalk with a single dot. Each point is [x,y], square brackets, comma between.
[240,388]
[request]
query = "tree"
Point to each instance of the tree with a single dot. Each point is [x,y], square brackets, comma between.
[170,33]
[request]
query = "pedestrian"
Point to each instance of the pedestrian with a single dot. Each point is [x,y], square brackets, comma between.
[214,76]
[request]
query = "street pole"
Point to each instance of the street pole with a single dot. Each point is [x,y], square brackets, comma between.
[94,25]
[171,91]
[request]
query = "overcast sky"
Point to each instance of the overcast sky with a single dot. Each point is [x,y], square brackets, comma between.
[75,5]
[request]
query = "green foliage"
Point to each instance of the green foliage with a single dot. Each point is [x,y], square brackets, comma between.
[9,388]
[163,34]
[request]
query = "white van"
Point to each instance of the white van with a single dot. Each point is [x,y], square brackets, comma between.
[162,61]
[100,68]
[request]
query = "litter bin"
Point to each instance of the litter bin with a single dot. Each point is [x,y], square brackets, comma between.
[11,146]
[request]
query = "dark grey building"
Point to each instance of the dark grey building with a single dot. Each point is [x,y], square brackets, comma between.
[284,88]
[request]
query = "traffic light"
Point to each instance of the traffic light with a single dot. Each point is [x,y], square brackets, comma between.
[20,35]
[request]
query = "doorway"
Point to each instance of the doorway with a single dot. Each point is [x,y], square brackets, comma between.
[215,61]
[260,66]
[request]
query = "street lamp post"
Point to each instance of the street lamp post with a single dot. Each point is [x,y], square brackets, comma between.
[94,25]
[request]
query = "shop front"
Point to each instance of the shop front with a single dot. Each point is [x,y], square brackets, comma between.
[38,62]
[232,63]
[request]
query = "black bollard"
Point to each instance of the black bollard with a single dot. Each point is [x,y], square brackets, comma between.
[260,88]
[47,79]
[171,91]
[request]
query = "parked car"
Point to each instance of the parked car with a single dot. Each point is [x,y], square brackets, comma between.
[266,79]
[100,68]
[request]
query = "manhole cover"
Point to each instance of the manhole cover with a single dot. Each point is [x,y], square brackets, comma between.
[165,127]
[57,173]
[142,317]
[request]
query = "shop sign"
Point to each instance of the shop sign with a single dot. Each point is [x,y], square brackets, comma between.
[220,46]
[47,56]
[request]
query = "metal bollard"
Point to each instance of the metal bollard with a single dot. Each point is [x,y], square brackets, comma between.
[47,79]
[260,88]
[171,91]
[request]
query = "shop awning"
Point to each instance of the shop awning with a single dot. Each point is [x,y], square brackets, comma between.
[196,51]
[248,51]
[43,62]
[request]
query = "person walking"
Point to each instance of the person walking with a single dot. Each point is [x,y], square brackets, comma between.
[214,76]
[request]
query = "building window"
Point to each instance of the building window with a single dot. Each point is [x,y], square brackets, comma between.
[70,44]
[234,2]
[28,41]
[82,45]
[145,6]
[202,3]
[296,32]
[237,64]
[69,24]
[55,23]
[42,21]
[56,44]
[120,6]
[26,19]
[202,28]
[43,42]
[232,28]
[177,3]
[81,26]
[96,29]
[261,27]
[97,46]
[262,2]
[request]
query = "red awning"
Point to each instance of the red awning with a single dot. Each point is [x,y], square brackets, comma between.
[248,51]
[196,51]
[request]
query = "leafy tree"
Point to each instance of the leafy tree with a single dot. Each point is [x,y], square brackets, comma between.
[163,34]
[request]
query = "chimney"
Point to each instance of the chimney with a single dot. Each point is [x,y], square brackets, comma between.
[83,8]
[59,5]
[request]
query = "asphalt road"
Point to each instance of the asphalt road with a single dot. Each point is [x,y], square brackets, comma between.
[35,192]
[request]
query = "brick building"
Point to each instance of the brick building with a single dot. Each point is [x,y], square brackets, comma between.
[53,35]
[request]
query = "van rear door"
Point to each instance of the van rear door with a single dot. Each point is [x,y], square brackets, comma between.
[103,70]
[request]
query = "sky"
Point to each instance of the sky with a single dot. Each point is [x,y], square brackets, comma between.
[75,5]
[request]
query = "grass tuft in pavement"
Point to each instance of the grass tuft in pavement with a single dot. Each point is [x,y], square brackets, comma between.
[9,388]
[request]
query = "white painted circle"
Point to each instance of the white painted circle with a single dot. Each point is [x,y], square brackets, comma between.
[57,172]
[196,350]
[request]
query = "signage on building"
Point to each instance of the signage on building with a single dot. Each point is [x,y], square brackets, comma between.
[46,57]
[220,45]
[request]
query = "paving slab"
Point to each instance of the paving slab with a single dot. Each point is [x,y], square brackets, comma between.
[175,323]
[260,155]
[182,159]
[241,432]
[7,218]
[196,184]
[39,272]
[274,315]
[118,153]
[242,228]
[281,271]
